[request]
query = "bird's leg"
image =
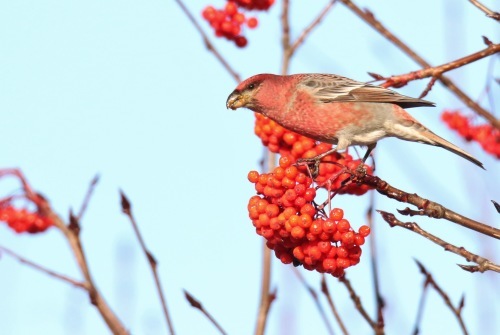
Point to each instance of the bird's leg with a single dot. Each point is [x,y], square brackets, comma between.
[361,168]
[369,151]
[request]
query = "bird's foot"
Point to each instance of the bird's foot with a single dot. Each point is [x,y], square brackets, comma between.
[312,165]
[361,170]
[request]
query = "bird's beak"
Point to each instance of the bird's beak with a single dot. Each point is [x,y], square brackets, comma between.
[235,100]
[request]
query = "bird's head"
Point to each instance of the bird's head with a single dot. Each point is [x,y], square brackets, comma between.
[246,93]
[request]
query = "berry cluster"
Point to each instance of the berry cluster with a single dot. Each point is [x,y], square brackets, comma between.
[22,220]
[486,135]
[295,146]
[285,215]
[228,22]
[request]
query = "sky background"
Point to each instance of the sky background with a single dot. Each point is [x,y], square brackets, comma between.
[127,90]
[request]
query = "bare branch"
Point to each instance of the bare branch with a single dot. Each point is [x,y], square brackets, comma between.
[208,43]
[429,280]
[266,296]
[436,71]
[326,292]
[111,319]
[483,264]
[315,298]
[420,310]
[43,269]
[429,208]
[305,33]
[127,210]
[197,304]
[369,18]
[486,10]
[374,264]
[359,306]
[285,37]
[88,195]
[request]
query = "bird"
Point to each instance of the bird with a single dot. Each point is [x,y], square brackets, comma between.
[337,110]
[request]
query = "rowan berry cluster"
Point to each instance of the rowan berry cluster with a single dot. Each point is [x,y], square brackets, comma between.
[22,220]
[284,213]
[229,21]
[295,146]
[486,135]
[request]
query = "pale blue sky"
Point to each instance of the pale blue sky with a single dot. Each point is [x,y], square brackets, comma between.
[126,89]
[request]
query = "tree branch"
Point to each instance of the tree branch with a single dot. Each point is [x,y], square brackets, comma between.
[314,296]
[369,18]
[483,264]
[208,43]
[359,306]
[305,33]
[127,210]
[326,292]
[197,304]
[43,269]
[435,72]
[429,280]
[71,232]
[427,207]
[486,10]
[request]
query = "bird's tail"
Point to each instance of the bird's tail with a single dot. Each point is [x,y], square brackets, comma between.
[435,140]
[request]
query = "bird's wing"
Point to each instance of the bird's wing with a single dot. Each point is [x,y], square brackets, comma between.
[332,88]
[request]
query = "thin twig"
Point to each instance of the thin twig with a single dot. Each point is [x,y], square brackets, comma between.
[430,208]
[71,233]
[486,10]
[43,269]
[305,33]
[127,210]
[315,298]
[88,195]
[483,264]
[197,304]
[326,292]
[369,18]
[374,264]
[207,42]
[457,311]
[285,37]
[359,306]
[436,71]
[420,310]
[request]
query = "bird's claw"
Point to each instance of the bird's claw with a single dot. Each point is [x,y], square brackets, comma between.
[312,165]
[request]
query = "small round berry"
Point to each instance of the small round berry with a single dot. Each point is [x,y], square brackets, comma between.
[336,214]
[241,41]
[343,226]
[252,22]
[231,8]
[364,231]
[253,177]
[298,232]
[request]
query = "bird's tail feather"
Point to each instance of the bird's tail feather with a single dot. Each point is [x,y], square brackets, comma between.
[441,142]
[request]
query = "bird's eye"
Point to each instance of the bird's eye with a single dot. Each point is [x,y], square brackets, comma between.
[251,86]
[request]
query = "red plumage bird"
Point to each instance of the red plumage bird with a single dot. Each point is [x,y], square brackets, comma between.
[337,110]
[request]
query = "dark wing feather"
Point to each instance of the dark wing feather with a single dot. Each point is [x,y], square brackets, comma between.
[332,88]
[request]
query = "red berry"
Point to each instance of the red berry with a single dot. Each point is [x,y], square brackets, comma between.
[252,22]
[364,231]
[240,41]
[336,214]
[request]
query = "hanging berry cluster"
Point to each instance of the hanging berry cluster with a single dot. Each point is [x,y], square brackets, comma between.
[284,214]
[22,220]
[229,21]
[295,146]
[486,135]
